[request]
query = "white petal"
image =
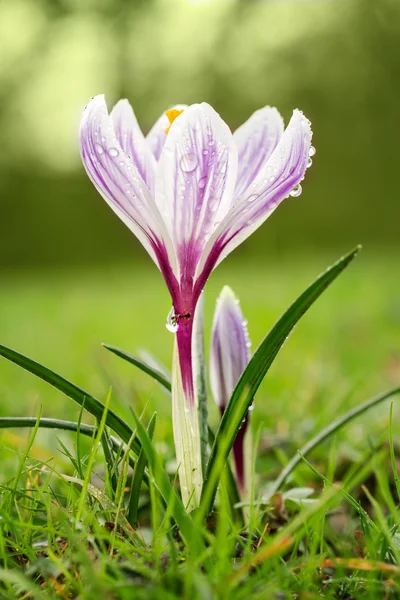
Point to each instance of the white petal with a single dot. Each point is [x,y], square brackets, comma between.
[133,142]
[280,174]
[118,181]
[256,140]
[195,181]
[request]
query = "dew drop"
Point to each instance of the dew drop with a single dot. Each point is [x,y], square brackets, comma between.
[99,149]
[202,182]
[309,163]
[171,323]
[312,151]
[296,191]
[252,198]
[113,152]
[188,162]
[272,179]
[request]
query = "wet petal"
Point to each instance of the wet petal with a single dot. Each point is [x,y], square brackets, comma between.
[118,181]
[276,180]
[195,181]
[256,139]
[133,142]
[157,136]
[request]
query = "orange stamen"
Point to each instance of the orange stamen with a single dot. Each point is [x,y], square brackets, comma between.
[172,113]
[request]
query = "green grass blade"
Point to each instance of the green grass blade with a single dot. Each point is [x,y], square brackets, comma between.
[111,463]
[253,375]
[392,453]
[83,398]
[140,364]
[327,432]
[138,477]
[184,521]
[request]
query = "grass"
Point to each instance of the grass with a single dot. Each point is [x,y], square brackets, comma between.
[338,539]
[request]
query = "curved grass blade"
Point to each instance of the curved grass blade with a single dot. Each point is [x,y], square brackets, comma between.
[187,527]
[138,477]
[140,364]
[327,432]
[83,398]
[253,375]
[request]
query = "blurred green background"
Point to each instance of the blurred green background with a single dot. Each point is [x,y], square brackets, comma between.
[337,60]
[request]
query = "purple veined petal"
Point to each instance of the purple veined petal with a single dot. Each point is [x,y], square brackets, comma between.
[195,181]
[157,136]
[133,142]
[118,181]
[230,354]
[279,176]
[230,347]
[256,140]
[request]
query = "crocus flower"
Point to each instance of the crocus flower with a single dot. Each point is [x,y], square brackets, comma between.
[192,192]
[230,353]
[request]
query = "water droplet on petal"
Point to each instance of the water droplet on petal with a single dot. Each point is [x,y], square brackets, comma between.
[312,151]
[296,191]
[272,179]
[171,323]
[99,148]
[113,152]
[309,163]
[202,182]
[252,198]
[188,162]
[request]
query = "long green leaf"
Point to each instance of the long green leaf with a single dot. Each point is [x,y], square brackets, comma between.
[253,375]
[143,366]
[89,402]
[327,432]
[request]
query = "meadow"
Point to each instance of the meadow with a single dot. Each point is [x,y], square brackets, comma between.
[58,543]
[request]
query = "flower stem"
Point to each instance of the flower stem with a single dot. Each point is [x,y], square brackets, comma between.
[186,423]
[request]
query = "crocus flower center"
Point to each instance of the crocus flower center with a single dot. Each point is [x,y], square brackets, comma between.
[172,113]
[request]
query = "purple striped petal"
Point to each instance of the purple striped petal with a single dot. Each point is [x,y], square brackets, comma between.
[119,182]
[256,139]
[230,354]
[280,176]
[157,136]
[133,142]
[230,347]
[195,182]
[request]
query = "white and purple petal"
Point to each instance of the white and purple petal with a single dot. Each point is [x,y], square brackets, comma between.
[278,178]
[230,354]
[133,142]
[119,182]
[230,347]
[195,182]
[256,140]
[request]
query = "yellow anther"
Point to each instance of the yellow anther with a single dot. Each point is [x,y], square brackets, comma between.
[172,113]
